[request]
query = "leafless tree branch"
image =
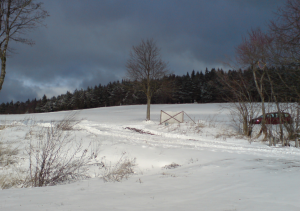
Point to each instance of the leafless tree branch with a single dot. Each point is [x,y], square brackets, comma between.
[17,17]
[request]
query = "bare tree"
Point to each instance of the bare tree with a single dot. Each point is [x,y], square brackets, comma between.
[254,51]
[285,29]
[16,18]
[146,69]
[238,89]
[274,58]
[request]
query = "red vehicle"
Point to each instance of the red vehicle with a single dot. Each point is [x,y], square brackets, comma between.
[273,118]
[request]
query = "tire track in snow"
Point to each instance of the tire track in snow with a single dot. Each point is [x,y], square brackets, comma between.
[167,140]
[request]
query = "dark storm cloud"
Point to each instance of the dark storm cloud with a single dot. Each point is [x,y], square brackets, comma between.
[88,42]
[15,90]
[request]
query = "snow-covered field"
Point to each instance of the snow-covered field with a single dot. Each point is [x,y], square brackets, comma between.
[216,170]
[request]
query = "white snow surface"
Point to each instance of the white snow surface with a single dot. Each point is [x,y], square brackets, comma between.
[217,171]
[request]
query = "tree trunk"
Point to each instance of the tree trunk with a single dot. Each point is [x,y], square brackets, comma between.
[3,66]
[278,108]
[271,141]
[280,122]
[3,51]
[261,94]
[148,97]
[246,126]
[148,107]
[296,128]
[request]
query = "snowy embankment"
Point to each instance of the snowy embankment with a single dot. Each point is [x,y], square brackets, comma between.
[216,170]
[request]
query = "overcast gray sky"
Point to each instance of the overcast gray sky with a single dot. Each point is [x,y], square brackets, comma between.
[87,42]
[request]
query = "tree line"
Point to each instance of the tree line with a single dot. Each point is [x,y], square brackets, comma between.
[196,87]
[189,88]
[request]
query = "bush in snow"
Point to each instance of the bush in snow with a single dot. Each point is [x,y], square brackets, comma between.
[55,156]
[121,170]
[7,153]
[69,122]
[171,166]
[7,158]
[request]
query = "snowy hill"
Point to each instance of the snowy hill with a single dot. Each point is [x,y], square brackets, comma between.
[177,167]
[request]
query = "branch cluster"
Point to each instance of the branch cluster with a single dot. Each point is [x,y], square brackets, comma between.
[17,17]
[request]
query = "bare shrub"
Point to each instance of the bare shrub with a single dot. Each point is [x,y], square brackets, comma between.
[224,134]
[241,114]
[8,157]
[7,153]
[56,156]
[200,124]
[68,122]
[171,166]
[211,121]
[186,127]
[10,180]
[121,170]
[5,124]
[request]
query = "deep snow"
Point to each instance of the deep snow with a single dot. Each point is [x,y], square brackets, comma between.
[217,171]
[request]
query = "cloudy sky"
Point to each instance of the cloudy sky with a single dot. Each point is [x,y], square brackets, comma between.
[87,42]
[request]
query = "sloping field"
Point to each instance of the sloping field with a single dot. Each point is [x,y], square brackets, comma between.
[202,166]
